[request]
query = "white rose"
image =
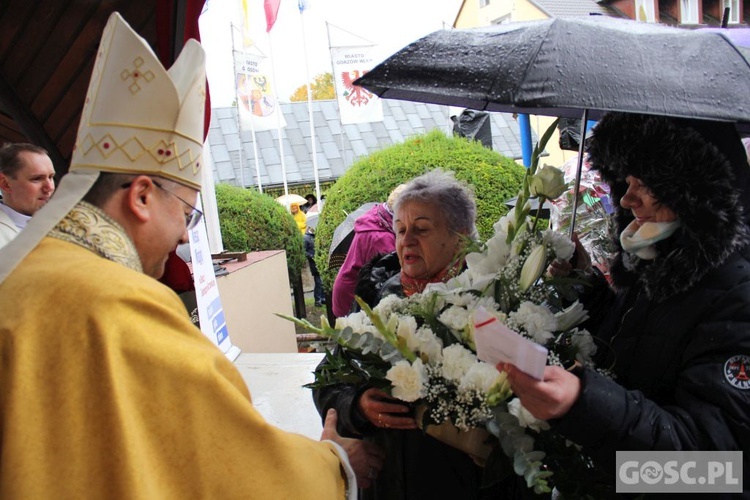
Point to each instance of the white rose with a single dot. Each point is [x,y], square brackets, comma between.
[548,181]
[408,380]
[456,361]
[526,419]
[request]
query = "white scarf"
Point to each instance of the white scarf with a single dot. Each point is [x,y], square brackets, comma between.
[639,239]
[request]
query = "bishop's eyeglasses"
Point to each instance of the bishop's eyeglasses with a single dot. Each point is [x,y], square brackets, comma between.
[191,220]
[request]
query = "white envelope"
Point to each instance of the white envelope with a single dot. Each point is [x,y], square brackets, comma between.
[497,343]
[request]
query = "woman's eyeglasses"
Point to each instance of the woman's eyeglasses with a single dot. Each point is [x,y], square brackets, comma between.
[191,220]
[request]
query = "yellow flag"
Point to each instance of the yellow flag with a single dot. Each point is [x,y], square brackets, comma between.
[246,40]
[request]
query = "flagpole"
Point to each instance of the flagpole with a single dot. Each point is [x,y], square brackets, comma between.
[309,106]
[278,116]
[239,103]
[335,88]
[255,142]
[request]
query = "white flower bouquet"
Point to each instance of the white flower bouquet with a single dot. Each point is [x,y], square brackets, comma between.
[421,348]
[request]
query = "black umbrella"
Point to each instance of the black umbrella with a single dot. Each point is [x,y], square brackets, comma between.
[574,68]
[560,67]
[343,236]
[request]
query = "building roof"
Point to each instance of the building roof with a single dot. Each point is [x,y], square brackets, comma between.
[570,8]
[337,146]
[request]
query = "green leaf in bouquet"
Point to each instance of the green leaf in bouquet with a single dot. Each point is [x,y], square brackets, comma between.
[342,369]
[387,333]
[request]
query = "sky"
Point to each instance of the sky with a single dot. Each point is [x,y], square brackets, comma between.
[299,43]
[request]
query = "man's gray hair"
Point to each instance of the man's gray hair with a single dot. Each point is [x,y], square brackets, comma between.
[454,198]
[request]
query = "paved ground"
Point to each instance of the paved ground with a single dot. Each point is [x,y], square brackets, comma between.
[275,382]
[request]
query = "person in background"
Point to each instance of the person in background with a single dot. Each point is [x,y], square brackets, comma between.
[318,293]
[311,205]
[177,274]
[27,181]
[108,389]
[675,327]
[299,217]
[434,215]
[373,235]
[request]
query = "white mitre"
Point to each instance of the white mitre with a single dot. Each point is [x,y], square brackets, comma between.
[138,118]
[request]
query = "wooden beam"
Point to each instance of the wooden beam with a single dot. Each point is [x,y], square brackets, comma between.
[28,124]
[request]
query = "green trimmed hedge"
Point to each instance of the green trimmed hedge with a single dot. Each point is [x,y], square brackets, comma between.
[495,179]
[251,221]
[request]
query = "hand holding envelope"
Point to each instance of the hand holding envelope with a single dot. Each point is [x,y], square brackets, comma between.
[496,343]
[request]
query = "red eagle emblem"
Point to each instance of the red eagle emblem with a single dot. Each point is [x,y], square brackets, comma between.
[356,96]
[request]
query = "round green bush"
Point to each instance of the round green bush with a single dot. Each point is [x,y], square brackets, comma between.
[495,179]
[251,221]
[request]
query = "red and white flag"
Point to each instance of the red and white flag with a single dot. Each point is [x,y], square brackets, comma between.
[356,104]
[257,104]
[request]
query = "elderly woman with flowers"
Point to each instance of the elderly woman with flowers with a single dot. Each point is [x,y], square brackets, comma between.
[433,218]
[676,326]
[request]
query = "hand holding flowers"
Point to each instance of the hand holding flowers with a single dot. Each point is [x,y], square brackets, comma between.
[420,349]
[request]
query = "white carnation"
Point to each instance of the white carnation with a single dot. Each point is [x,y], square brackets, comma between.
[560,244]
[388,305]
[455,318]
[481,376]
[538,321]
[407,330]
[525,418]
[358,322]
[408,380]
[429,302]
[458,299]
[584,345]
[430,345]
[456,361]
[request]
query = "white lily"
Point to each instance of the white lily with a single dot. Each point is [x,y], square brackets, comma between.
[533,268]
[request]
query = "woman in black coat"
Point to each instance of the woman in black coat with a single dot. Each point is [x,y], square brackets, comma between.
[676,324]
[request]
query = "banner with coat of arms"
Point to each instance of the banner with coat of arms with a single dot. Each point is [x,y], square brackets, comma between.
[356,105]
[257,103]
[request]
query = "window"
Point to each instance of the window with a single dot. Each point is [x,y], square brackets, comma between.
[483,3]
[734,10]
[501,20]
[689,11]
[644,11]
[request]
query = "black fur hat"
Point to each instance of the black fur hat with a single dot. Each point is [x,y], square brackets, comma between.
[699,169]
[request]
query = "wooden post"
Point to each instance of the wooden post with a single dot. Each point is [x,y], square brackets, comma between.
[300,311]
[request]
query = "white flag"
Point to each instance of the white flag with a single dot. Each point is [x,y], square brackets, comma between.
[356,104]
[257,104]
